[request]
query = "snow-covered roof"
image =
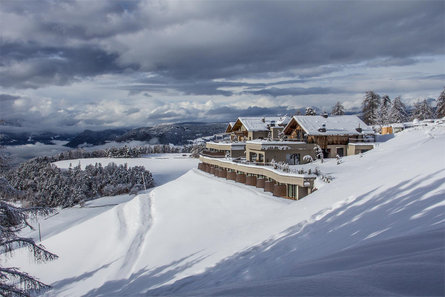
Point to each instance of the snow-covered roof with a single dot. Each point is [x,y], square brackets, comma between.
[284,120]
[229,127]
[334,125]
[260,123]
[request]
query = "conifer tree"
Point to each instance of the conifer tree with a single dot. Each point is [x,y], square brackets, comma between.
[14,282]
[370,108]
[398,112]
[385,107]
[440,108]
[338,109]
[422,110]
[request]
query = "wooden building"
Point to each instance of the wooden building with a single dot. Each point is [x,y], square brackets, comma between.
[333,134]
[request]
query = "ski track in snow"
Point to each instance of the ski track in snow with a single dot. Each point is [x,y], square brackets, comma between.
[144,221]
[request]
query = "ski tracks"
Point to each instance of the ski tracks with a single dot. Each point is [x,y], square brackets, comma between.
[135,217]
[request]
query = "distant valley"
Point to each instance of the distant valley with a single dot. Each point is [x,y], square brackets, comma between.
[177,134]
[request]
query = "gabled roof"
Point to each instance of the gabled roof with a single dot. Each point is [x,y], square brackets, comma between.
[229,127]
[334,125]
[259,123]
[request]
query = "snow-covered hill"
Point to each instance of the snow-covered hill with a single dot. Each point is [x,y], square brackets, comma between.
[377,229]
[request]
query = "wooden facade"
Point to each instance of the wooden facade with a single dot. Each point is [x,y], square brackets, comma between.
[295,132]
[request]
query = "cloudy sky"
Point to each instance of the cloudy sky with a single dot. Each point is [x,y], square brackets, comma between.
[70,65]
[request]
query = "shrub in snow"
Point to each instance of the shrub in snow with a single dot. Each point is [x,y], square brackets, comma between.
[339,160]
[319,152]
[308,159]
[326,178]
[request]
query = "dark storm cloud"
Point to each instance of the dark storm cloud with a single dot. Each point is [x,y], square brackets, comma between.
[53,42]
[275,36]
[6,97]
[31,66]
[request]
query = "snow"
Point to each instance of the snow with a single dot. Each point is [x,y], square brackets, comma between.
[335,125]
[164,167]
[234,146]
[376,229]
[257,124]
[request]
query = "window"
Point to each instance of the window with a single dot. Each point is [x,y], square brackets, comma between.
[292,191]
[293,159]
[340,151]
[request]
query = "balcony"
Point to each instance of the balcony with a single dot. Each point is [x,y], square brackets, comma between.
[213,154]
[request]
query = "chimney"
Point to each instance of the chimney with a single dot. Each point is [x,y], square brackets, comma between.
[325,115]
[323,128]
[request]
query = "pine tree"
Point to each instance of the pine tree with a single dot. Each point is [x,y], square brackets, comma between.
[440,108]
[338,109]
[14,282]
[385,107]
[422,110]
[370,108]
[398,112]
[310,111]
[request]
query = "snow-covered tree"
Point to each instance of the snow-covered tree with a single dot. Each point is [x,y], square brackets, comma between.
[338,109]
[385,107]
[370,108]
[398,112]
[310,111]
[14,282]
[440,108]
[422,111]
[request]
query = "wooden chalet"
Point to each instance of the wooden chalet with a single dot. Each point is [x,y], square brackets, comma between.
[336,135]
[250,128]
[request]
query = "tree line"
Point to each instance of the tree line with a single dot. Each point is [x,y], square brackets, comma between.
[40,183]
[377,110]
[381,110]
[122,152]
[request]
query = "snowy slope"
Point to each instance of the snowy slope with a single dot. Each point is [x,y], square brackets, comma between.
[376,229]
[164,167]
